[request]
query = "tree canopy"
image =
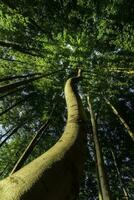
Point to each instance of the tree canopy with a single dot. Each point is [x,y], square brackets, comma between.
[42,44]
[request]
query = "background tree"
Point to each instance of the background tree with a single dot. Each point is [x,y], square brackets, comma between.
[57,37]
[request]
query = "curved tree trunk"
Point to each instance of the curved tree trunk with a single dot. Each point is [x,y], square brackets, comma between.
[104,191]
[55,175]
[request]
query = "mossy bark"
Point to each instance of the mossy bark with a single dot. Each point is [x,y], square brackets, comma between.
[55,175]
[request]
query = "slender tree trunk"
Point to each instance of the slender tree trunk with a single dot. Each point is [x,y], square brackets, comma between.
[99,185]
[12,92]
[30,147]
[55,175]
[20,123]
[12,86]
[123,71]
[19,61]
[5,134]
[8,78]
[100,195]
[126,196]
[104,187]
[2,172]
[121,119]
[11,133]
[14,105]
[17,47]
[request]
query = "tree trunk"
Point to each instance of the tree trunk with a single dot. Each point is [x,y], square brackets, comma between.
[126,196]
[122,71]
[18,47]
[12,92]
[29,148]
[19,61]
[5,134]
[8,78]
[99,184]
[121,119]
[55,175]
[104,190]
[12,133]
[12,86]
[14,105]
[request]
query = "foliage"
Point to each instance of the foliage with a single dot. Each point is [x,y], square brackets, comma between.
[44,37]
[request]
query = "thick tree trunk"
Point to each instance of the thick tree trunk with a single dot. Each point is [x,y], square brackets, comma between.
[121,119]
[55,175]
[104,190]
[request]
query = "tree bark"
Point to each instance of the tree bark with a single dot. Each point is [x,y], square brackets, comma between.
[104,190]
[55,175]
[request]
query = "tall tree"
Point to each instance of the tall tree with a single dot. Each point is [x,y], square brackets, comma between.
[66,158]
[30,147]
[121,119]
[104,192]
[63,35]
